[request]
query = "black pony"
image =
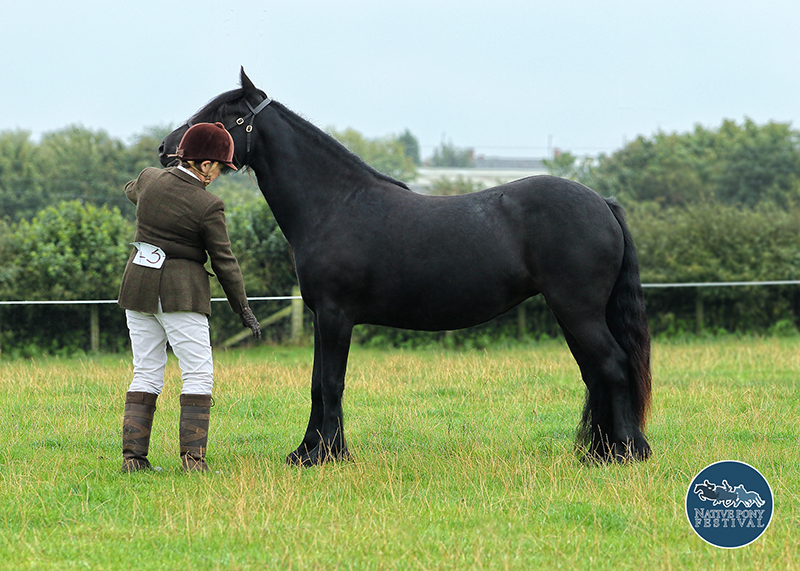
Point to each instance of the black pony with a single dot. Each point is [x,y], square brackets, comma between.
[368,250]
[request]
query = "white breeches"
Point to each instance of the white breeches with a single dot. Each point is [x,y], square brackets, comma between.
[187,334]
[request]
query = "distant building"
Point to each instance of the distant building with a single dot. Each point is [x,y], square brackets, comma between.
[483,162]
[488,172]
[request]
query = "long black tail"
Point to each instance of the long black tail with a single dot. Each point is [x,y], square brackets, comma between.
[626,318]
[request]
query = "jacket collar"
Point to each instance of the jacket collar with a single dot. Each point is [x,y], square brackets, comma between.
[185,176]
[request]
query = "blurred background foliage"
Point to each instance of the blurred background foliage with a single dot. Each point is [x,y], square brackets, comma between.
[710,205]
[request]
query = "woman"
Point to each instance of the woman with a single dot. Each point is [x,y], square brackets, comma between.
[166,292]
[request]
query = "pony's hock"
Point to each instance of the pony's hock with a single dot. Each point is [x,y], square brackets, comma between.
[368,250]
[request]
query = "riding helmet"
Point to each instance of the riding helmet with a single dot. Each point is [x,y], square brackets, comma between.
[207,142]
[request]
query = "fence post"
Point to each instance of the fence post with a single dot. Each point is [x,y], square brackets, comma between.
[698,309]
[297,316]
[94,327]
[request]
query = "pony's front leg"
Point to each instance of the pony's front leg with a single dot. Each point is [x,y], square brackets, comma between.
[314,430]
[332,345]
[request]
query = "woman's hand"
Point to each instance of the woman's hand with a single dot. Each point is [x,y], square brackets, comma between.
[249,320]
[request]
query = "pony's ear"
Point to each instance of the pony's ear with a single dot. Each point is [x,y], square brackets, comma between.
[247,85]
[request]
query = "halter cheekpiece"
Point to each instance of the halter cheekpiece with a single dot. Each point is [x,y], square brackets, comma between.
[252,116]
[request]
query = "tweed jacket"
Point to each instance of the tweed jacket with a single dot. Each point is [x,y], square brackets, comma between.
[175,212]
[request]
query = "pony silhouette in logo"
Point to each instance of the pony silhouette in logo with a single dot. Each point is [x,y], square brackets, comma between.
[706,491]
[726,495]
[748,498]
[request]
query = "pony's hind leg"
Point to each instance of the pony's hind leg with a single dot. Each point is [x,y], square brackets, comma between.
[609,429]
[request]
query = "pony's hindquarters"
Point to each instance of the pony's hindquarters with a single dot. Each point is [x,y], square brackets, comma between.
[589,275]
[627,322]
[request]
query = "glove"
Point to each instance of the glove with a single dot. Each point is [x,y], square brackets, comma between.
[249,320]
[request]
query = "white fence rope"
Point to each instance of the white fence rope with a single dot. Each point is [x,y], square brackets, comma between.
[724,284]
[101,301]
[288,297]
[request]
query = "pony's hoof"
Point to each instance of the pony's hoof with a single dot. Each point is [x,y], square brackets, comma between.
[301,456]
[616,452]
[319,455]
[298,459]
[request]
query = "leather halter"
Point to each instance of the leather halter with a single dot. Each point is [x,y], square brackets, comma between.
[252,116]
[240,121]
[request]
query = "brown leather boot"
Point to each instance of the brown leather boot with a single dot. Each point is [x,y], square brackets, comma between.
[136,426]
[195,414]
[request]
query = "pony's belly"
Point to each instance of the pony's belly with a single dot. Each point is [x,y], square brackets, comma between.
[442,310]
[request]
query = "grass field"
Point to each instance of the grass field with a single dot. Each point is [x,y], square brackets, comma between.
[462,460]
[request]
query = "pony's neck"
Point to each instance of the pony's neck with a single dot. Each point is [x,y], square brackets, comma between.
[304,174]
[324,144]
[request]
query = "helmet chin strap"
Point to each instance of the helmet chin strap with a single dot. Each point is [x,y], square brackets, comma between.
[205,178]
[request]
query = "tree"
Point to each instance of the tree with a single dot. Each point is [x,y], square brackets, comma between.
[266,261]
[387,155]
[667,169]
[69,164]
[21,192]
[713,242]
[460,185]
[71,251]
[758,164]
[79,164]
[263,253]
[567,165]
[747,164]
[143,152]
[67,252]
[411,145]
[448,155]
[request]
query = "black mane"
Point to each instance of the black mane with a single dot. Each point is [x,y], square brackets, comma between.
[219,105]
[330,143]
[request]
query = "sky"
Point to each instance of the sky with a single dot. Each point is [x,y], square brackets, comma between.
[515,78]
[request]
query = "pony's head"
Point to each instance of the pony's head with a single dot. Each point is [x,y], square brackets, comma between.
[235,109]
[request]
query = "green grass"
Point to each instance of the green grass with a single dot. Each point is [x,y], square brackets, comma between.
[462,460]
